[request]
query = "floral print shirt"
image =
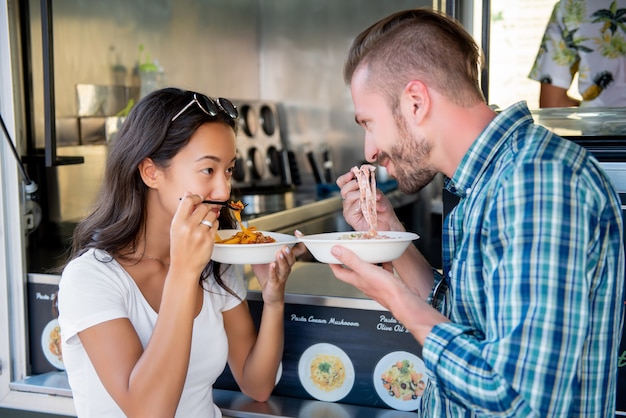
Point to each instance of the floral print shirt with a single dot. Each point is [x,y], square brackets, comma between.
[587,37]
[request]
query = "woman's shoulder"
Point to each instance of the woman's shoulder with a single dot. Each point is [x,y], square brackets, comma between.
[91,258]
[92,266]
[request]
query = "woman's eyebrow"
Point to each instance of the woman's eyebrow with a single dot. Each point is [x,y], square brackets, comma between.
[215,158]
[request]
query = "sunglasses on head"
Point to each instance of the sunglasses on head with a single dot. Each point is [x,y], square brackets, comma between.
[210,106]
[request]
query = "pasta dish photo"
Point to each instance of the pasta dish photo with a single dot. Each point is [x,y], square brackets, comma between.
[400,379]
[403,382]
[327,372]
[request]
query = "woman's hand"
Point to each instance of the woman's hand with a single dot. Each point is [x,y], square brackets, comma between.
[350,194]
[191,240]
[273,277]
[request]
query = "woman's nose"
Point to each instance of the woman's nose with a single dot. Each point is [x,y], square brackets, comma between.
[221,189]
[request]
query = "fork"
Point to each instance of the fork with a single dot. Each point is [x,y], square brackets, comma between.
[230,204]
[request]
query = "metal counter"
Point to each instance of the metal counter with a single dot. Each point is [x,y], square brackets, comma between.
[236,405]
[312,283]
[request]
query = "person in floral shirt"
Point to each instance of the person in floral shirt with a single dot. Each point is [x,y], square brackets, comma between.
[587,37]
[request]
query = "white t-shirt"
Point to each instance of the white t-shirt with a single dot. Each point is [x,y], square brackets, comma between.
[94,288]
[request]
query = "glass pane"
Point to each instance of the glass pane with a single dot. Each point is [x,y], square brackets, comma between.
[517,27]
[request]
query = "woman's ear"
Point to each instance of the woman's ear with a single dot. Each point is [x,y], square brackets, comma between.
[148,172]
[416,100]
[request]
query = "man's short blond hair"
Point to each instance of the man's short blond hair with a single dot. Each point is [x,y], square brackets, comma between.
[420,44]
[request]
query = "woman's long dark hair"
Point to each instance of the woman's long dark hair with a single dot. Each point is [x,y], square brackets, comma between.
[119,213]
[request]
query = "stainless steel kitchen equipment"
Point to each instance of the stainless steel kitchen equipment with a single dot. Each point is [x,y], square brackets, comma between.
[262,164]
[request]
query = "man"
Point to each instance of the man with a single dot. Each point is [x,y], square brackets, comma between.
[526,319]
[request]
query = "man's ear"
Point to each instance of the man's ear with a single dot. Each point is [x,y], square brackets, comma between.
[148,172]
[416,100]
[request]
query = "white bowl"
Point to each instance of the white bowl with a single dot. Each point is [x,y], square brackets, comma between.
[375,250]
[250,253]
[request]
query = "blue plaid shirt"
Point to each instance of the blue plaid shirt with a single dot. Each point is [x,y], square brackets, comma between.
[533,281]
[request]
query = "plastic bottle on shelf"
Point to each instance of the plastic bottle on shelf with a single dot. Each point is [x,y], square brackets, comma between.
[151,75]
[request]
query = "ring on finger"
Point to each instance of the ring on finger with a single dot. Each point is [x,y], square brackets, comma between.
[207,223]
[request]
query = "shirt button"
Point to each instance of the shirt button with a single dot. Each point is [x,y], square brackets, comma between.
[450,274]
[468,190]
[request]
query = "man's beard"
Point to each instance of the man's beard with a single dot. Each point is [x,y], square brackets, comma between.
[407,155]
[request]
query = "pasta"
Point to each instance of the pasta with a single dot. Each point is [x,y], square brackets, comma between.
[367,186]
[363,235]
[327,372]
[246,235]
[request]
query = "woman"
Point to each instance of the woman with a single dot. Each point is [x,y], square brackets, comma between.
[148,320]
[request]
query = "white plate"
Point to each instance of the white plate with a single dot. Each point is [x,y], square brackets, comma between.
[48,336]
[304,372]
[250,253]
[377,250]
[279,372]
[386,363]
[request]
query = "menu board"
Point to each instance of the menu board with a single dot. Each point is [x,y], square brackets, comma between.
[369,344]
[354,356]
[44,331]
